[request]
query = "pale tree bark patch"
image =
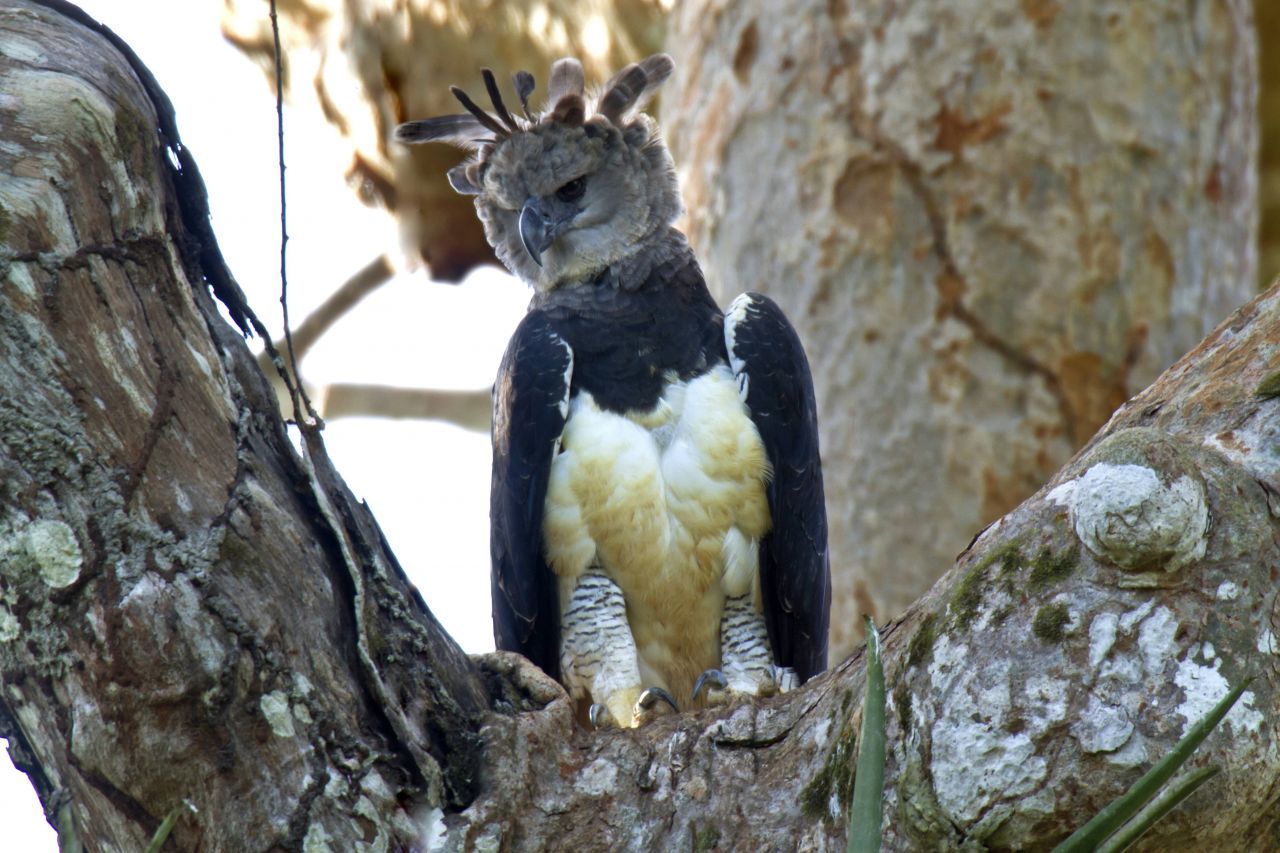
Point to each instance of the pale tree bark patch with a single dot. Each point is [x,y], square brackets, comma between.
[53,547]
[1125,515]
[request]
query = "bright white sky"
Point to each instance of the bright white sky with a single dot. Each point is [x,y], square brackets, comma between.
[428,483]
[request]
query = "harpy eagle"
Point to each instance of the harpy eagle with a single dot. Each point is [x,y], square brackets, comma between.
[657,515]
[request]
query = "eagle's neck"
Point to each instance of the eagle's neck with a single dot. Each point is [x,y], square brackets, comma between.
[631,272]
[639,324]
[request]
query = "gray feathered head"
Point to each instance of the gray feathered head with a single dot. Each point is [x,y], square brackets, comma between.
[571,190]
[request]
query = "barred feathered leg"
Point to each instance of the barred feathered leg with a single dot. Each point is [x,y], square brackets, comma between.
[598,656]
[746,663]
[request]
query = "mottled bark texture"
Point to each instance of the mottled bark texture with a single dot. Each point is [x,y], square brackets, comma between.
[190,611]
[369,66]
[991,222]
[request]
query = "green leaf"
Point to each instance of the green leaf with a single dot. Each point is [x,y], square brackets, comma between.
[1111,818]
[868,784]
[167,825]
[1158,808]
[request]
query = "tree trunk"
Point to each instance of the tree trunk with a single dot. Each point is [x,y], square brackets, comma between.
[189,611]
[1268,23]
[991,224]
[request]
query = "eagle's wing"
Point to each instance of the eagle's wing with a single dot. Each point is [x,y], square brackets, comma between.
[530,405]
[795,579]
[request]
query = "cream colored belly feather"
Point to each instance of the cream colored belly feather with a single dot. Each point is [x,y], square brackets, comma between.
[670,505]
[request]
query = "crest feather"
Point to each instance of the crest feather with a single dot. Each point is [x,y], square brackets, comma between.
[657,69]
[463,181]
[479,131]
[491,84]
[566,79]
[483,117]
[524,83]
[621,92]
[464,131]
[571,109]
[633,86]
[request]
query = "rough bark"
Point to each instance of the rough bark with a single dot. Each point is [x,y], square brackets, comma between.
[992,224]
[192,611]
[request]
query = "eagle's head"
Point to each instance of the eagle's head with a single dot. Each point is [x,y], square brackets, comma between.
[571,190]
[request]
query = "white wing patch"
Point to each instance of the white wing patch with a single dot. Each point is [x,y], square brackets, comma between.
[568,373]
[736,314]
[563,405]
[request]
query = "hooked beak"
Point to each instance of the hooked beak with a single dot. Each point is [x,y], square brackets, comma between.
[536,231]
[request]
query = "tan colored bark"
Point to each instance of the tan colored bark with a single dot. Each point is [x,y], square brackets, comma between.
[992,224]
[1268,20]
[189,611]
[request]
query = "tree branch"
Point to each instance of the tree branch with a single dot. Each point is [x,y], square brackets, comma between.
[467,409]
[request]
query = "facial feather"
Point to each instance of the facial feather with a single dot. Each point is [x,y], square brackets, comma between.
[523,166]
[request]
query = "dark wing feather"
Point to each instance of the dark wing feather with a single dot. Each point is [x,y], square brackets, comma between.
[530,404]
[795,577]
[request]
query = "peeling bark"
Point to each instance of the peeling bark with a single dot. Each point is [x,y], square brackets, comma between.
[188,610]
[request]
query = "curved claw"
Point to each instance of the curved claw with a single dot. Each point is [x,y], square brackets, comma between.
[597,714]
[652,695]
[713,677]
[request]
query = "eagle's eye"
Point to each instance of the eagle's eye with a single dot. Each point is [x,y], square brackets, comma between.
[573,190]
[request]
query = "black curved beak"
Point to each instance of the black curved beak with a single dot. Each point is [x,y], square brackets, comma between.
[535,231]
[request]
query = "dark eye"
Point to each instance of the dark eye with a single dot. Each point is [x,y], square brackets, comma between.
[573,190]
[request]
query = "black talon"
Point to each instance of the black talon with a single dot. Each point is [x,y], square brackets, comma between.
[652,695]
[712,676]
[594,712]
